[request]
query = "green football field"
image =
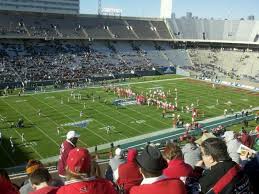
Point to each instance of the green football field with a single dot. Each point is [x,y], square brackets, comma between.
[40,131]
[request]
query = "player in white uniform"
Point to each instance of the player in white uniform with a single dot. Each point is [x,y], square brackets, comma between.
[81,114]
[23,139]
[108,129]
[225,112]
[58,130]
[39,112]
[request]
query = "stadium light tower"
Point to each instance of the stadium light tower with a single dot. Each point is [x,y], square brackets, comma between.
[99,7]
[166,8]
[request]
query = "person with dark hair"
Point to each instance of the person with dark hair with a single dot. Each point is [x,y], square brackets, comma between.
[152,164]
[30,168]
[6,187]
[78,175]
[222,175]
[40,180]
[177,168]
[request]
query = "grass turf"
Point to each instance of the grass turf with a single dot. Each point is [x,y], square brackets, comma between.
[41,135]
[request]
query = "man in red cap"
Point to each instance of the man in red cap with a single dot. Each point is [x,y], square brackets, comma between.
[78,176]
[67,145]
[127,175]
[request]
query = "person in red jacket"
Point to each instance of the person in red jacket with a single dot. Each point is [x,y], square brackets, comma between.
[152,164]
[177,168]
[6,187]
[66,146]
[127,175]
[78,177]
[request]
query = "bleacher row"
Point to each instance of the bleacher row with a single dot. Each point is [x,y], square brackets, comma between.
[36,25]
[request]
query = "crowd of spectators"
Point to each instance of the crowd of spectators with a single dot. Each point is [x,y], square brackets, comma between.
[210,164]
[38,61]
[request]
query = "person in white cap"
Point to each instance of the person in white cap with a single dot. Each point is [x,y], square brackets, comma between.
[232,145]
[66,146]
[117,159]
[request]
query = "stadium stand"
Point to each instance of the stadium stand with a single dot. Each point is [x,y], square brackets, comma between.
[35,25]
[41,48]
[210,29]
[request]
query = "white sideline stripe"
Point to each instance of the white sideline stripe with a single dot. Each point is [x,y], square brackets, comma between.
[179,134]
[32,123]
[92,87]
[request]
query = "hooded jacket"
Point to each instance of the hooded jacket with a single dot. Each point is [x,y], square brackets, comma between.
[177,168]
[128,173]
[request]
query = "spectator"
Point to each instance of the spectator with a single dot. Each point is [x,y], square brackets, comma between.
[95,169]
[6,187]
[40,180]
[30,168]
[151,165]
[232,146]
[177,168]
[251,168]
[221,175]
[127,175]
[246,139]
[117,159]
[78,176]
[67,145]
[191,152]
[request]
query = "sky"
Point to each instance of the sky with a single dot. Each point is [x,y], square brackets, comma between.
[231,9]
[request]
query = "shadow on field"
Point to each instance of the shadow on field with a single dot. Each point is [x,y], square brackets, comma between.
[12,156]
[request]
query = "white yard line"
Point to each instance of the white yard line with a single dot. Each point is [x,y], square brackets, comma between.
[42,131]
[30,145]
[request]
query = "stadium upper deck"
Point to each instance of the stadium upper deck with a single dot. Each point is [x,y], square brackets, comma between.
[60,26]
[216,30]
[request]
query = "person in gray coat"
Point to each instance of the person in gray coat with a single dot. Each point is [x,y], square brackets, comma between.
[117,159]
[191,152]
[232,144]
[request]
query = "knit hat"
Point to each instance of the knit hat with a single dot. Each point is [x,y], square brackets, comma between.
[151,160]
[79,161]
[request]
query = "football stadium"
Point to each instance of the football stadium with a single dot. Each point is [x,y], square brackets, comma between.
[107,103]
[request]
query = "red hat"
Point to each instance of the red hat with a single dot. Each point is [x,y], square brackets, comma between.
[79,161]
